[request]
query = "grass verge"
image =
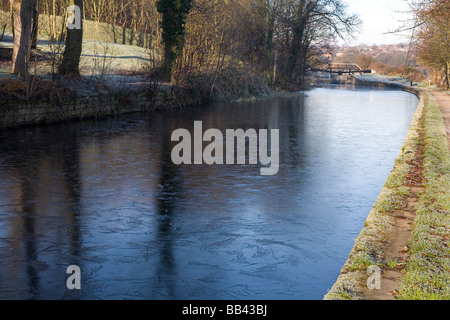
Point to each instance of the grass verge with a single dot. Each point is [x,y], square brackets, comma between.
[427,275]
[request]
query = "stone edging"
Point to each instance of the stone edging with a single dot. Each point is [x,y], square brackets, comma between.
[17,113]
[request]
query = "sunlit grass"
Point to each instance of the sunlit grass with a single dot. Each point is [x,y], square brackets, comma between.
[362,262]
[392,263]
[427,271]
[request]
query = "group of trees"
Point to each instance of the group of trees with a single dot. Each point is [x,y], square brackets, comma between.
[137,15]
[274,39]
[24,15]
[432,26]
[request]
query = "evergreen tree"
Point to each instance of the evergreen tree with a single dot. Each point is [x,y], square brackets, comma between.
[174,14]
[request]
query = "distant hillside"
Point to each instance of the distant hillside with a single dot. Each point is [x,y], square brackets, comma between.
[392,55]
[393,59]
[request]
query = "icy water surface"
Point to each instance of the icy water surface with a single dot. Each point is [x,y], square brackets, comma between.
[106,197]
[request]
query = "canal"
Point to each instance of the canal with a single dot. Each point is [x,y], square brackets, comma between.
[105,196]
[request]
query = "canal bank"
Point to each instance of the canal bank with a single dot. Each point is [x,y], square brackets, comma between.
[402,251]
[59,104]
[41,102]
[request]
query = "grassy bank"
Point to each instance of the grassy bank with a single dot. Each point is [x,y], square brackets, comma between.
[427,273]
[426,268]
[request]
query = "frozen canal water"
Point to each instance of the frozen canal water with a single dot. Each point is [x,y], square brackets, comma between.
[105,196]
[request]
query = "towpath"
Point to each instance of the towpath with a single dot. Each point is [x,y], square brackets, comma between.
[443,100]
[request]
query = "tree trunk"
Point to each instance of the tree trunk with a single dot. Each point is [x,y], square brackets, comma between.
[22,18]
[274,77]
[11,9]
[447,71]
[53,30]
[34,30]
[174,14]
[74,43]
[269,43]
[170,58]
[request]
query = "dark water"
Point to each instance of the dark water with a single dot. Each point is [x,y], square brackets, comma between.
[106,197]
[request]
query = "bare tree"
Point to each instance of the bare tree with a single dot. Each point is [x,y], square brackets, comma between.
[74,43]
[34,30]
[97,9]
[433,36]
[22,24]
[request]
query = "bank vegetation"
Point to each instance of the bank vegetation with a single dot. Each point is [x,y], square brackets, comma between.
[218,47]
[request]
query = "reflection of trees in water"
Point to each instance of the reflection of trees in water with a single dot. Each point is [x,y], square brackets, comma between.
[40,164]
[27,210]
[49,159]
[72,180]
[294,117]
[169,193]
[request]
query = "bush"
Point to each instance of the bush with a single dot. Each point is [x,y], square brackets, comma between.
[33,88]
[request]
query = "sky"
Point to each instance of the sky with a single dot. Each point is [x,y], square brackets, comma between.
[379,17]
